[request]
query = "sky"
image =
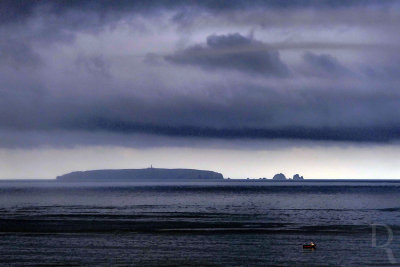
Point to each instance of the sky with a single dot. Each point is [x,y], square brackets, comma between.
[245,88]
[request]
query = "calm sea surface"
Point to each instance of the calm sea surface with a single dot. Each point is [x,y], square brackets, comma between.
[199,224]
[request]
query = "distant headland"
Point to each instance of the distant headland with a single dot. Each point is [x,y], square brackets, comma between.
[159,174]
[147,174]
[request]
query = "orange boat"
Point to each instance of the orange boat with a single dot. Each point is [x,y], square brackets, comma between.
[311,245]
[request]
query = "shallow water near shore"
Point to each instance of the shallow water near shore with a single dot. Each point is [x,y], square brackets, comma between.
[199,224]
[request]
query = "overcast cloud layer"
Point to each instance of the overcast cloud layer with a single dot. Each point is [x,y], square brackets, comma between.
[306,70]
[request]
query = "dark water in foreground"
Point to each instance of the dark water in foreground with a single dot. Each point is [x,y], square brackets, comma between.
[192,224]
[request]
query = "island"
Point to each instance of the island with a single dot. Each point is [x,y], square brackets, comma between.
[282,177]
[279,177]
[298,177]
[147,174]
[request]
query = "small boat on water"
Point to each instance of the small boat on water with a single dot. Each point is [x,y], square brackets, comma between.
[310,245]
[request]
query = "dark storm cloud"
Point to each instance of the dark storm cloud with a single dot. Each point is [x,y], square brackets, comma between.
[61,19]
[353,134]
[323,64]
[12,10]
[120,68]
[251,114]
[92,14]
[232,51]
[16,53]
[95,65]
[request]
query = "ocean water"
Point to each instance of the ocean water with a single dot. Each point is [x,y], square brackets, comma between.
[199,224]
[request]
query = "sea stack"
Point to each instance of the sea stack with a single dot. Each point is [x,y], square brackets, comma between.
[298,177]
[279,176]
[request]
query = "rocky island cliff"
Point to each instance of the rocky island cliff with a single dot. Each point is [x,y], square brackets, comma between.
[148,174]
[282,177]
